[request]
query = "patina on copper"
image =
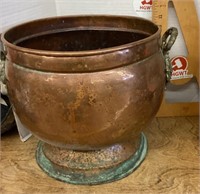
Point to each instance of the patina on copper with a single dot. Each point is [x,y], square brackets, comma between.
[86,86]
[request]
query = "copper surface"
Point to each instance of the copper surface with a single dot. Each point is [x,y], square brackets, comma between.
[91,98]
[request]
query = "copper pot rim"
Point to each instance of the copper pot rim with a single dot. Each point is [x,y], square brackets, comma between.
[80,53]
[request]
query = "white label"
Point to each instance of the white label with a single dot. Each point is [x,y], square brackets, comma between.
[143,8]
[24,133]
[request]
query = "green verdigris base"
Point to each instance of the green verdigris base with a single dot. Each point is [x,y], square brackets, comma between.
[103,176]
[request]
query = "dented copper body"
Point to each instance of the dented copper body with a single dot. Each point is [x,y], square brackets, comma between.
[86,83]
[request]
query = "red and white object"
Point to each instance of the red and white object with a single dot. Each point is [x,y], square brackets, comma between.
[180,68]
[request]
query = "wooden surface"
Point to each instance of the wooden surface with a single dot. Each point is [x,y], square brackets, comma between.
[171,166]
[188,20]
[160,14]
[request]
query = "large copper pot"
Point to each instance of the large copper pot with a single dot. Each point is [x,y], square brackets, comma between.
[86,86]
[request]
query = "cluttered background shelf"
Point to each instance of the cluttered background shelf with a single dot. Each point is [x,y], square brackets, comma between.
[171,165]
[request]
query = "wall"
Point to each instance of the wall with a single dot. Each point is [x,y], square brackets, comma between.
[69,7]
[197,3]
[119,7]
[16,11]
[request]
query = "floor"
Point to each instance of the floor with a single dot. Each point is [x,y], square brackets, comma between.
[171,166]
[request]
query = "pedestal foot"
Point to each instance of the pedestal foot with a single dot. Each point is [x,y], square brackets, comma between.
[77,168]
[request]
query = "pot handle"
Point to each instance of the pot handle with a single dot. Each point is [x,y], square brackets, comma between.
[168,39]
[2,62]
[2,68]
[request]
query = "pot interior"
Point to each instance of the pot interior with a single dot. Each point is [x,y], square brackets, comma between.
[81,39]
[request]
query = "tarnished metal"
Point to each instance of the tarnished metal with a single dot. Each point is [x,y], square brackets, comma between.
[87,84]
[90,168]
[168,39]
[7,117]
[2,63]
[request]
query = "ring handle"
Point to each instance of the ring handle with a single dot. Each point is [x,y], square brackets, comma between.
[168,39]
